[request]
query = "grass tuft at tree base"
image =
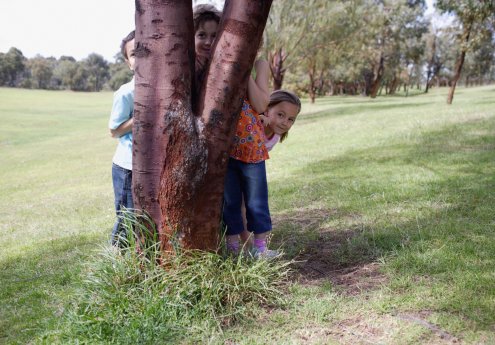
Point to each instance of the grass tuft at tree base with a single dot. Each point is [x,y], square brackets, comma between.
[138,295]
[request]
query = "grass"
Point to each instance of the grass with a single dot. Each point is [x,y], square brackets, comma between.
[388,203]
[128,298]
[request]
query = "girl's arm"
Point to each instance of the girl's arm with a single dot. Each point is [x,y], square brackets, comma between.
[258,93]
[124,128]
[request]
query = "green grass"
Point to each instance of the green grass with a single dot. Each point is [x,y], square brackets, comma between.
[126,297]
[389,201]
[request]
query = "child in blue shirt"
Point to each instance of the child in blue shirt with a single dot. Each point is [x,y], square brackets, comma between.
[120,125]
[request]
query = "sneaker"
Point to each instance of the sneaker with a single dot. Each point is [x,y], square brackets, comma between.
[267,254]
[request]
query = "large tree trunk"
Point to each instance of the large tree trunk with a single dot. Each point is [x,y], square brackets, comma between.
[180,155]
[459,63]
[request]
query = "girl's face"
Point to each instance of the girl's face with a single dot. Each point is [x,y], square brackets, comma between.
[204,38]
[282,116]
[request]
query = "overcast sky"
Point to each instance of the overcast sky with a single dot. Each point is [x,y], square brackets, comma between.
[67,27]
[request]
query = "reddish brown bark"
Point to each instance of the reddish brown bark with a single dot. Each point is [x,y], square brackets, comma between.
[180,156]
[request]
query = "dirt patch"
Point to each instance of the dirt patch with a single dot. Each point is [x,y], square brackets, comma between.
[326,254]
[375,329]
[420,318]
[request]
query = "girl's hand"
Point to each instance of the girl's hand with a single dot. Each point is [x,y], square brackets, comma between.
[265,121]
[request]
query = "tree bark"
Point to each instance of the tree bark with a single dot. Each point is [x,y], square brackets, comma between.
[459,63]
[180,148]
[394,84]
[375,86]
[429,74]
[276,67]
[312,87]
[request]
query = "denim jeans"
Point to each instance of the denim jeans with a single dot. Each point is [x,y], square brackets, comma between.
[246,180]
[122,183]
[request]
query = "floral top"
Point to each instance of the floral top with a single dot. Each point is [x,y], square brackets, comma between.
[249,141]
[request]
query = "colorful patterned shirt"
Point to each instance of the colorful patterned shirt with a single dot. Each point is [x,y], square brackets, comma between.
[249,141]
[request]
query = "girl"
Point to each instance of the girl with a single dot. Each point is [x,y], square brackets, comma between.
[205,19]
[246,174]
[283,108]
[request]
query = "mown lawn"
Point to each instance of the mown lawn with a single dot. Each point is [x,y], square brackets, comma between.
[387,205]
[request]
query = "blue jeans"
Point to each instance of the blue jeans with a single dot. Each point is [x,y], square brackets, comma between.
[246,180]
[122,183]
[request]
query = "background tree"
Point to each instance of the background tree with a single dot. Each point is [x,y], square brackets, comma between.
[181,142]
[432,57]
[119,72]
[480,59]
[323,44]
[472,17]
[41,71]
[66,71]
[11,66]
[285,35]
[393,31]
[97,71]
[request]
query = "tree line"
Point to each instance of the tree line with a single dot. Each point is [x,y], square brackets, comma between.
[93,73]
[321,47]
[370,47]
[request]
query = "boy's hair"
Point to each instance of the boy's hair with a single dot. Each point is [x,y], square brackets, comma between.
[279,96]
[204,13]
[126,39]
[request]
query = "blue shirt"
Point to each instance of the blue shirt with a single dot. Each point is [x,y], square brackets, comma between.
[122,109]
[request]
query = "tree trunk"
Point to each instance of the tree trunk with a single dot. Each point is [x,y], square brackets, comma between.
[375,86]
[428,79]
[276,67]
[394,85]
[312,87]
[459,64]
[180,147]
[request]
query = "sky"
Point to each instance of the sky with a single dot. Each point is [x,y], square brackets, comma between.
[68,27]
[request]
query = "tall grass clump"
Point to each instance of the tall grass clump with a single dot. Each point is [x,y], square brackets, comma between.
[138,295]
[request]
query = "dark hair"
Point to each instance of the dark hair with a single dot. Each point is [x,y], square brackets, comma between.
[126,39]
[204,13]
[279,96]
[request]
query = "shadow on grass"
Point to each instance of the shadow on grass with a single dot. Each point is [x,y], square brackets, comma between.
[355,109]
[423,205]
[36,284]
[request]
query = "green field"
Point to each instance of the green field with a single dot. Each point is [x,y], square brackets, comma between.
[387,204]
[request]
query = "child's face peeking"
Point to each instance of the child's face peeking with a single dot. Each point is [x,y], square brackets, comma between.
[282,116]
[204,38]
[129,51]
